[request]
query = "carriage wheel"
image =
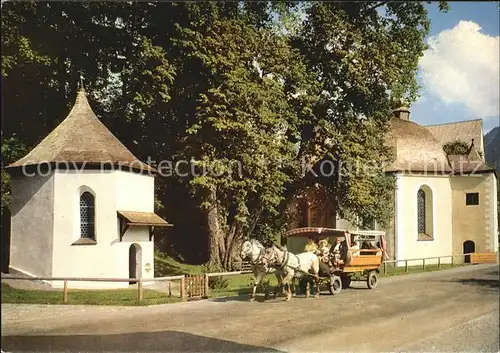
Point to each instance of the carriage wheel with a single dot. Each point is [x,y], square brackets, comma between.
[372,280]
[335,285]
[346,281]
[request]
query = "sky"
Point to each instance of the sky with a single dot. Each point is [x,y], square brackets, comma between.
[459,73]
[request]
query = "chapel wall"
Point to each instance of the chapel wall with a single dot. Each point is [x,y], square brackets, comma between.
[474,222]
[32,224]
[109,257]
[93,260]
[407,242]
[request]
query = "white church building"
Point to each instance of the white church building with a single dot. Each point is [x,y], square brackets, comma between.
[443,204]
[82,206]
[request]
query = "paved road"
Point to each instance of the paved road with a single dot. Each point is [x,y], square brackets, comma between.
[452,310]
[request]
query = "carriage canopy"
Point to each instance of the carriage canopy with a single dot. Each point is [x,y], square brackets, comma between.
[297,238]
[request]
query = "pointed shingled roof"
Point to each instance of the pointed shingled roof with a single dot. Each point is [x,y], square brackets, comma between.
[415,149]
[471,162]
[81,138]
[461,130]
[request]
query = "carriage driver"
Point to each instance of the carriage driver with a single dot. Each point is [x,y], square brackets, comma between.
[335,250]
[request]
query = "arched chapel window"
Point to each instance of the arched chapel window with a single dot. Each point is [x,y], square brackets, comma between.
[87,215]
[425,214]
[421,211]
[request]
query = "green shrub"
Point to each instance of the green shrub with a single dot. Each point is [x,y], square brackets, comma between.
[218,282]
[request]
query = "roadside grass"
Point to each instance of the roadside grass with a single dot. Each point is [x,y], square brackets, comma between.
[240,285]
[398,271]
[126,297]
[167,266]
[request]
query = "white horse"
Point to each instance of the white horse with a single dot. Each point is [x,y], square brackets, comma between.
[253,251]
[293,266]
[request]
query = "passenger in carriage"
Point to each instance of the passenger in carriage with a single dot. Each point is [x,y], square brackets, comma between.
[323,253]
[356,246]
[324,249]
[311,246]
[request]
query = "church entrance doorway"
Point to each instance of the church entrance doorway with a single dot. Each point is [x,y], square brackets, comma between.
[134,262]
[469,247]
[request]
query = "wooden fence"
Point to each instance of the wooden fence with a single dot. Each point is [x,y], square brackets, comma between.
[483,258]
[474,258]
[139,281]
[197,286]
[246,267]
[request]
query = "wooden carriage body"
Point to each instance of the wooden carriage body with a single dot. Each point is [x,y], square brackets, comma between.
[359,260]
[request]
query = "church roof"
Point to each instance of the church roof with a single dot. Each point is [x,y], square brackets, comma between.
[143,218]
[462,130]
[470,163]
[415,148]
[82,139]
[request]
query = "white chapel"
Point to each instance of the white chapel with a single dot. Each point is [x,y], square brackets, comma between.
[82,206]
[443,204]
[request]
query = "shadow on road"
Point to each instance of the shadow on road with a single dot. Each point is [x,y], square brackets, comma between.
[483,283]
[237,298]
[486,283]
[261,299]
[495,273]
[162,341]
[245,298]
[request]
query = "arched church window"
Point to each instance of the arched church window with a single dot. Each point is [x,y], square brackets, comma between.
[425,214]
[421,211]
[87,215]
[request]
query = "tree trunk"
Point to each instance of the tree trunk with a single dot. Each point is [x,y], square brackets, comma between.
[232,247]
[234,251]
[215,233]
[229,241]
[254,222]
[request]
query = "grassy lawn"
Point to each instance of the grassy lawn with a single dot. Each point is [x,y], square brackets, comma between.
[90,297]
[166,266]
[241,285]
[396,271]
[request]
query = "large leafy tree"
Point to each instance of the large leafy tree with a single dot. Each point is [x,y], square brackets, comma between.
[241,121]
[364,57]
[246,88]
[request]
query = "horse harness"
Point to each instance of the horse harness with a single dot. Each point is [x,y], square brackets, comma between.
[260,258]
[285,264]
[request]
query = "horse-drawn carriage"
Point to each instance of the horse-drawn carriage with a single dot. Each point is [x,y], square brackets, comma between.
[358,257]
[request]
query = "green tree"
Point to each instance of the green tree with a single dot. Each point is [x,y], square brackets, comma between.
[248,83]
[12,149]
[457,147]
[240,120]
[364,56]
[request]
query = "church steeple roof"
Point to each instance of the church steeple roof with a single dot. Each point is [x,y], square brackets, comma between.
[81,138]
[473,154]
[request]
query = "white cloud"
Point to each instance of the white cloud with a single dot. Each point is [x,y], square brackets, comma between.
[462,66]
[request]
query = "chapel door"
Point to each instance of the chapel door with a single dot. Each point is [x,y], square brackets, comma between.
[134,262]
[468,247]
